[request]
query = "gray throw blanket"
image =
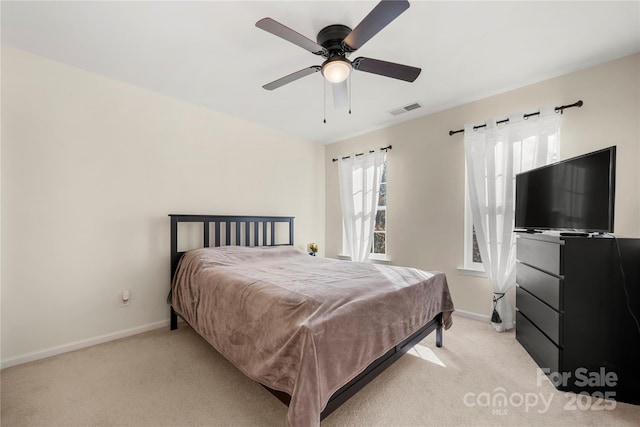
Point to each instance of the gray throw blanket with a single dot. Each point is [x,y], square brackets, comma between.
[301,324]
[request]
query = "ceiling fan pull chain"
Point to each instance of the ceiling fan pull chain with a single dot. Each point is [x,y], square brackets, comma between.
[349,93]
[324,98]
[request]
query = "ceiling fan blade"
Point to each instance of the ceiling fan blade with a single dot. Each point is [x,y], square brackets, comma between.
[381,16]
[387,69]
[284,32]
[340,94]
[292,77]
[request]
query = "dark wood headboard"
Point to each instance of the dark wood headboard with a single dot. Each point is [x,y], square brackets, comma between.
[263,233]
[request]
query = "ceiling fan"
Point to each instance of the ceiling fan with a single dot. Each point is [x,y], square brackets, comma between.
[336,42]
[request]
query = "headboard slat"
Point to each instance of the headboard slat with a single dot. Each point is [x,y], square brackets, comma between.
[205,238]
[264,233]
[256,235]
[273,233]
[217,234]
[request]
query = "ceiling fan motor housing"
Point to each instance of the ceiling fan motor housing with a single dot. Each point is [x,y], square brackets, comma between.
[332,39]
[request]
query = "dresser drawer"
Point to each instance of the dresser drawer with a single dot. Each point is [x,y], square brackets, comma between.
[541,254]
[542,350]
[544,317]
[540,284]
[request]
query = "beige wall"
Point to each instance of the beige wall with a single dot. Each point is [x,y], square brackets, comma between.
[425,200]
[90,169]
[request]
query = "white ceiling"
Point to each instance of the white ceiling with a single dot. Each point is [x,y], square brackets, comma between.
[210,53]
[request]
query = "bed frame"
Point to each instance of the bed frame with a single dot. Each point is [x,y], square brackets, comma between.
[261,231]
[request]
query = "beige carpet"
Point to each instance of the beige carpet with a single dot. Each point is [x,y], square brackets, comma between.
[176,379]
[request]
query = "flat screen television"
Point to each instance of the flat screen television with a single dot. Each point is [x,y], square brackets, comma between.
[576,194]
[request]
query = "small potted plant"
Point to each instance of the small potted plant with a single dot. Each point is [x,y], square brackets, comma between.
[313,248]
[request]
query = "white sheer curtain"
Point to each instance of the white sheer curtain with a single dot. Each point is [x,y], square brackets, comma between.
[495,154]
[360,178]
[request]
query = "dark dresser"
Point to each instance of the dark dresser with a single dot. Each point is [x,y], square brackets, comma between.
[572,311]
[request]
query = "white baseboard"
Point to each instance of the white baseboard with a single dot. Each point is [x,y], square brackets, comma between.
[77,345]
[471,315]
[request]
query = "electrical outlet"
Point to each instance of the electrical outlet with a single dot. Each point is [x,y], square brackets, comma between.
[125,298]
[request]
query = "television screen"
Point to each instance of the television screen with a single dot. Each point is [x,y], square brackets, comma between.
[575,194]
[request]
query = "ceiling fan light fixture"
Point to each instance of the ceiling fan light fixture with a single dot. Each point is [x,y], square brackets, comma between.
[336,70]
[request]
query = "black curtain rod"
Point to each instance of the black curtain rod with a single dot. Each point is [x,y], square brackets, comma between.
[388,147]
[526,116]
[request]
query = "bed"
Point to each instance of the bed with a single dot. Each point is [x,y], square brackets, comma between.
[312,330]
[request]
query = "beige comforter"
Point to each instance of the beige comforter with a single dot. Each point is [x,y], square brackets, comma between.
[301,324]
